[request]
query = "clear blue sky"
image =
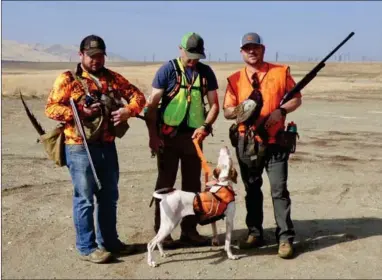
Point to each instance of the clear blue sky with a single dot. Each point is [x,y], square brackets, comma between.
[137,29]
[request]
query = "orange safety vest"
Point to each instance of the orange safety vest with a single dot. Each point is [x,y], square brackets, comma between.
[272,88]
[210,206]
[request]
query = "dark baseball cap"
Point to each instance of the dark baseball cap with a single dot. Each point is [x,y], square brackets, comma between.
[251,38]
[92,45]
[193,45]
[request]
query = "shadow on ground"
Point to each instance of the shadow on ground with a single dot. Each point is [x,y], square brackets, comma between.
[311,235]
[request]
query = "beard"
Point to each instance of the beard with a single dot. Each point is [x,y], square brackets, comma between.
[255,62]
[93,70]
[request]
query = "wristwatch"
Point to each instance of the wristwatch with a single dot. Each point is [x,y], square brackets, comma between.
[283,111]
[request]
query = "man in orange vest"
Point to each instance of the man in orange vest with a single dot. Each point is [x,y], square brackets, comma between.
[270,82]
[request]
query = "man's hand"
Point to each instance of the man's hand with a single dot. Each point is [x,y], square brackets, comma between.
[274,117]
[120,115]
[200,133]
[93,110]
[155,143]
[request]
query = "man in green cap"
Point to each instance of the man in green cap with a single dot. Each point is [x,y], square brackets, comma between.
[175,116]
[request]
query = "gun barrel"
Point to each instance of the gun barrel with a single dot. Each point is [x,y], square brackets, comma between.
[339,46]
[82,132]
[313,73]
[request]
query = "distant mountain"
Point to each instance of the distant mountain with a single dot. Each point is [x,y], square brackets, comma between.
[12,50]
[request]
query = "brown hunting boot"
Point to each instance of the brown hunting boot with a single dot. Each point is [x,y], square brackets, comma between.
[251,242]
[97,256]
[285,250]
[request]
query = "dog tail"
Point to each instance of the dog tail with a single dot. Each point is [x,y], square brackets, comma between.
[158,195]
[161,193]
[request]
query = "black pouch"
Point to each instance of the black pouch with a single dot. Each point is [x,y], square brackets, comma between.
[234,135]
[251,146]
[287,139]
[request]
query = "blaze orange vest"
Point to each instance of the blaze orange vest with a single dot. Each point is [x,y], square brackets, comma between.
[272,88]
[210,206]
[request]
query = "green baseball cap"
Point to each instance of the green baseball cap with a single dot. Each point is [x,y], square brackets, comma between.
[193,45]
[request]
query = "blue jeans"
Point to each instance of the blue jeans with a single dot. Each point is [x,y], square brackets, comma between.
[105,159]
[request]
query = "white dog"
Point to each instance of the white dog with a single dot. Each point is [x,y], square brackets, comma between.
[211,205]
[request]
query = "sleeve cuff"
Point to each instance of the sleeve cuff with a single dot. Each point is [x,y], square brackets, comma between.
[134,109]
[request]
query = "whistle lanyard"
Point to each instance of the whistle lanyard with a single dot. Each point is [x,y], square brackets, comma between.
[189,84]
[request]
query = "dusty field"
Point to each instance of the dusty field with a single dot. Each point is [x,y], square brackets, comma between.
[335,183]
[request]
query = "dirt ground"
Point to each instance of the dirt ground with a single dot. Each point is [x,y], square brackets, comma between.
[335,180]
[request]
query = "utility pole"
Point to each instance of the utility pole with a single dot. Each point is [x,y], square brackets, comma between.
[209,57]
[153,57]
[225,57]
[277,56]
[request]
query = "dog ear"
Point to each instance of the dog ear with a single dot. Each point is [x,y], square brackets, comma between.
[216,173]
[233,175]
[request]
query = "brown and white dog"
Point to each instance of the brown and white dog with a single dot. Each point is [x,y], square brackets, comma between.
[216,202]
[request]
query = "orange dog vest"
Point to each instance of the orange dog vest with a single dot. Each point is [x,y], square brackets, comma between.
[210,205]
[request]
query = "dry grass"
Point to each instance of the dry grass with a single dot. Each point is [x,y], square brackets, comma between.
[337,81]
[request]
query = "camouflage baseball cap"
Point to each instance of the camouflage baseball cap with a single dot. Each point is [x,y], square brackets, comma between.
[92,45]
[193,45]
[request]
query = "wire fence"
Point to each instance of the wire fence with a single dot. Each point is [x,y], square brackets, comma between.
[281,56]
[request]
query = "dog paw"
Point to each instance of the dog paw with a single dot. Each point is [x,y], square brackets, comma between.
[233,257]
[152,264]
[164,255]
[215,242]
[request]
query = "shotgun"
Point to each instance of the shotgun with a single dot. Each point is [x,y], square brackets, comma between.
[82,132]
[261,130]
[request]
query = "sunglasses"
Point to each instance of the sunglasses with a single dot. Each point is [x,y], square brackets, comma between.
[250,47]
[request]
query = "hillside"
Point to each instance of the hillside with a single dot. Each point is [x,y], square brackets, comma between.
[15,51]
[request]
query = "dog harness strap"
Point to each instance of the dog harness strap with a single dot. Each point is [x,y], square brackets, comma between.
[200,205]
[217,197]
[229,188]
[178,83]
